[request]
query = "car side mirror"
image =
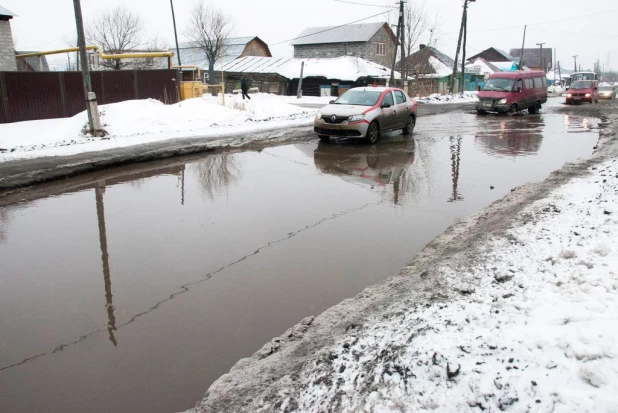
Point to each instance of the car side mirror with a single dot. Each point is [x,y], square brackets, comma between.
[385,105]
[331,102]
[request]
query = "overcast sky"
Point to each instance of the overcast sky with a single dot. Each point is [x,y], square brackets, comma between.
[560,24]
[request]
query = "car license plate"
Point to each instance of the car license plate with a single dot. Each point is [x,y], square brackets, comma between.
[487,104]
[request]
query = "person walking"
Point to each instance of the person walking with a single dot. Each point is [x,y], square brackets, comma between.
[245,88]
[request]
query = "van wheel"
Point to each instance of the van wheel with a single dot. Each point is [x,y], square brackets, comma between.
[534,109]
[481,112]
[373,132]
[324,138]
[513,108]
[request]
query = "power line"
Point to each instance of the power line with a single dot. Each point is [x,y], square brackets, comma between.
[331,28]
[547,22]
[365,4]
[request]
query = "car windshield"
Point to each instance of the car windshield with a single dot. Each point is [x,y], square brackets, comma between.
[606,88]
[581,84]
[502,85]
[359,97]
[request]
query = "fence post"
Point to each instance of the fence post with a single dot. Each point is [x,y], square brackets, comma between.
[135,90]
[63,95]
[5,98]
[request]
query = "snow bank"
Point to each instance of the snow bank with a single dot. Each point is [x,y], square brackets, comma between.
[142,121]
[458,98]
[533,327]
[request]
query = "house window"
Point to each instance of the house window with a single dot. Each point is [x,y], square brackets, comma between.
[381,49]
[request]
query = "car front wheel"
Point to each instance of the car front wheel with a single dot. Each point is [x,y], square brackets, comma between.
[373,132]
[324,138]
[410,125]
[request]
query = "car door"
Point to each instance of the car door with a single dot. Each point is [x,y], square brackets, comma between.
[388,117]
[529,92]
[403,108]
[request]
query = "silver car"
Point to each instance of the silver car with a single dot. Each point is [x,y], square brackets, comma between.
[366,112]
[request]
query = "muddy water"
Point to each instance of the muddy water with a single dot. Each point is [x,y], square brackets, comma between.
[137,290]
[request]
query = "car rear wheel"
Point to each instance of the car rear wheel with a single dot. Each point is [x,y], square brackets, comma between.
[410,125]
[373,132]
[324,138]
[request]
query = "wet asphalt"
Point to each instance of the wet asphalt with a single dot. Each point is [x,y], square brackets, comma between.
[134,288]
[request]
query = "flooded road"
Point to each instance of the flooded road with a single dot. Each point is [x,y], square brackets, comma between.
[137,290]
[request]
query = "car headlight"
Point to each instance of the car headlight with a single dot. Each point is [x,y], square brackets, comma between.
[587,95]
[318,115]
[569,95]
[502,101]
[356,118]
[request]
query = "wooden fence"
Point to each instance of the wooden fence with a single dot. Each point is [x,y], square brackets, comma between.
[47,95]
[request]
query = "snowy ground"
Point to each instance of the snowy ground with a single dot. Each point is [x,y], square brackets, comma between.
[457,98]
[537,333]
[527,322]
[142,121]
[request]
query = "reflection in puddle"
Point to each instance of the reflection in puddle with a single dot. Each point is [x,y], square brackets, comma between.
[203,262]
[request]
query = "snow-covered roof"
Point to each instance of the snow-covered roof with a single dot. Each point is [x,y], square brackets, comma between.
[340,68]
[429,62]
[6,12]
[505,66]
[480,66]
[339,34]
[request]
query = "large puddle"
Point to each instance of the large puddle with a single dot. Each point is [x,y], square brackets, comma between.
[137,291]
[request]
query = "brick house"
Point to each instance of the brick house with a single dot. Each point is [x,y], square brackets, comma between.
[371,41]
[533,58]
[7,49]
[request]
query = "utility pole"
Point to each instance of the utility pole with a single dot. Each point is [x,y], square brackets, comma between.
[403,36]
[299,92]
[541,59]
[575,62]
[81,42]
[523,45]
[461,28]
[175,33]
[465,37]
[399,36]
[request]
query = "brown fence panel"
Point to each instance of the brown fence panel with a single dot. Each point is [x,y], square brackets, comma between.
[157,84]
[46,95]
[118,86]
[33,95]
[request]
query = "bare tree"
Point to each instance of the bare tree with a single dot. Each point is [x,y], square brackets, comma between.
[209,29]
[419,25]
[216,173]
[119,30]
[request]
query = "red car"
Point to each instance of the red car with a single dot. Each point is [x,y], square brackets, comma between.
[513,91]
[583,91]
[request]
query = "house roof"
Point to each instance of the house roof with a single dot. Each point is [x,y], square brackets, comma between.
[6,12]
[190,54]
[346,68]
[480,66]
[494,54]
[532,56]
[429,61]
[340,34]
[33,62]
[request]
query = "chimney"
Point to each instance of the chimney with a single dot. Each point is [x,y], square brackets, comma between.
[422,46]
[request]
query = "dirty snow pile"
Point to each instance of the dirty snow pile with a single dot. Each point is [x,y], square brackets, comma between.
[532,326]
[457,98]
[143,121]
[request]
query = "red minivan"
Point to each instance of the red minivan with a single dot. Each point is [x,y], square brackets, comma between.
[583,91]
[513,91]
